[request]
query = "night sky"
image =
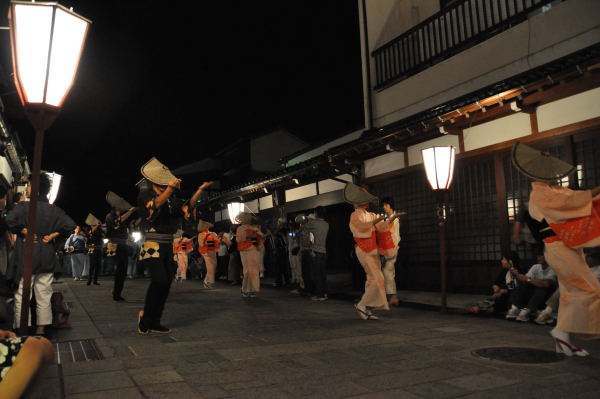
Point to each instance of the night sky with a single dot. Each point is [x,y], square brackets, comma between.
[180,80]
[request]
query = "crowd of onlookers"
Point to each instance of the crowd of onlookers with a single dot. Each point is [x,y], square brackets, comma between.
[528,293]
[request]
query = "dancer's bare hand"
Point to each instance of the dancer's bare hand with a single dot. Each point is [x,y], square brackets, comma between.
[175,183]
[7,334]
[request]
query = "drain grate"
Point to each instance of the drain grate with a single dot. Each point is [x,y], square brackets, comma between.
[77,351]
[519,355]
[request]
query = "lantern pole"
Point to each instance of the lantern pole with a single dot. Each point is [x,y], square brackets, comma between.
[31,228]
[441,219]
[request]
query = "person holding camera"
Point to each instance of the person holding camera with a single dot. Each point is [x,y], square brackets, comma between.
[532,291]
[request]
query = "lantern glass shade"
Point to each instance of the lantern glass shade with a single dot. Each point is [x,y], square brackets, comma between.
[234,209]
[47,42]
[439,166]
[55,179]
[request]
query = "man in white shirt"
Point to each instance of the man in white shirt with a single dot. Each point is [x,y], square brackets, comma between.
[534,289]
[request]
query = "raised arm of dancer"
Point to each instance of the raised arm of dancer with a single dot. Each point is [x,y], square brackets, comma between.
[127,214]
[198,193]
[161,199]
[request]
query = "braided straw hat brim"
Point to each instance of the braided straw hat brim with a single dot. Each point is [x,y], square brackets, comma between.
[357,196]
[117,202]
[156,172]
[244,218]
[539,165]
[203,225]
[92,220]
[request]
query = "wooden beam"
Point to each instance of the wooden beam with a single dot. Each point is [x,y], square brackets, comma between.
[534,123]
[461,141]
[560,91]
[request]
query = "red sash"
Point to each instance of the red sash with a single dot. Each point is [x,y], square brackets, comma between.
[384,240]
[367,244]
[576,232]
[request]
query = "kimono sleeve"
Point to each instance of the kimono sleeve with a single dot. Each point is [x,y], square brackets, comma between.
[557,204]
[362,222]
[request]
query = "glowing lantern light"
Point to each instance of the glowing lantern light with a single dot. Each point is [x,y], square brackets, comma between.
[439,166]
[234,209]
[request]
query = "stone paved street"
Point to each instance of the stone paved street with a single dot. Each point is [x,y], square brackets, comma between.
[285,346]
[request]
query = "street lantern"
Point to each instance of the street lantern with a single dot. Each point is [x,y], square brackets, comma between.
[47,40]
[234,209]
[439,168]
[55,180]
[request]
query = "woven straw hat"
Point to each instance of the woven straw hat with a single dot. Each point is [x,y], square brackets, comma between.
[539,165]
[203,225]
[244,218]
[92,220]
[117,202]
[358,196]
[156,172]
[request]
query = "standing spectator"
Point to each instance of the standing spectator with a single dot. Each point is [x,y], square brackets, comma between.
[116,232]
[95,237]
[318,229]
[223,255]
[52,222]
[526,230]
[293,246]
[76,246]
[533,290]
[234,268]
[281,266]
[305,255]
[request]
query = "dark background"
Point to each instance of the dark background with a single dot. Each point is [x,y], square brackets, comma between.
[180,80]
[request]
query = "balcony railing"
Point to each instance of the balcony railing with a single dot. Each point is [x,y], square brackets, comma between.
[446,33]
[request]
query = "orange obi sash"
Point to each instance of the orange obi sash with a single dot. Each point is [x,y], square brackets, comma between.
[211,244]
[578,231]
[184,246]
[252,240]
[366,244]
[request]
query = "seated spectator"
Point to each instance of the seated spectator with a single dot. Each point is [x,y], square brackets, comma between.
[23,358]
[504,283]
[533,290]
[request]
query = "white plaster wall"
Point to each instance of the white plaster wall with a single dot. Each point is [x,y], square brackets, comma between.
[252,206]
[218,216]
[499,130]
[301,192]
[414,152]
[568,110]
[564,29]
[265,202]
[384,163]
[329,185]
